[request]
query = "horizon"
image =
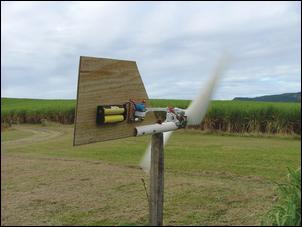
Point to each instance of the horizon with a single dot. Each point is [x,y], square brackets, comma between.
[157,98]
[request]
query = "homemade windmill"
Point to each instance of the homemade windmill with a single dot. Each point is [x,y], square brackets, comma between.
[112,103]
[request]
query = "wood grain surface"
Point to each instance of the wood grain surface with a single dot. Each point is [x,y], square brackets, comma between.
[105,81]
[157,180]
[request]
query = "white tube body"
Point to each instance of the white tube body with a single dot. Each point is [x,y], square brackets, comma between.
[155,128]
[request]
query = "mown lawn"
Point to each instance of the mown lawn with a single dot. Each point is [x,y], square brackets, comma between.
[209,179]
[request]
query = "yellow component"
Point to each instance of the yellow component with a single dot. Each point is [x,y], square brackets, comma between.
[114,110]
[113,118]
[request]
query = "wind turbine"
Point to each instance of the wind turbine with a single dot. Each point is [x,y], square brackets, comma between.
[176,118]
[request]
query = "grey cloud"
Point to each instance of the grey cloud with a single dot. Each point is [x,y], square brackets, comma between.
[176,45]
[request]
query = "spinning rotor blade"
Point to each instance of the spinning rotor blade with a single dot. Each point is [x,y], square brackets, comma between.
[145,162]
[199,105]
[195,111]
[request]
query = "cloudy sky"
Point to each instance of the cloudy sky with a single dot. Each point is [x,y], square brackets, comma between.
[175,44]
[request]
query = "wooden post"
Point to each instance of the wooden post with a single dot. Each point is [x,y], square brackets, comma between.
[157,180]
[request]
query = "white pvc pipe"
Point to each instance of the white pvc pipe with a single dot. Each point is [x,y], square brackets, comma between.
[155,128]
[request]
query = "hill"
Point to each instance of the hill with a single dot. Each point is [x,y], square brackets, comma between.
[286,97]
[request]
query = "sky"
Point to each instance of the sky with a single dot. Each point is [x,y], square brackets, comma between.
[176,46]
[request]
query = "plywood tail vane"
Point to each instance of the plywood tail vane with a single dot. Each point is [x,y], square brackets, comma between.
[103,110]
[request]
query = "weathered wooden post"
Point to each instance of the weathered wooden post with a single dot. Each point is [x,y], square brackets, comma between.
[157,180]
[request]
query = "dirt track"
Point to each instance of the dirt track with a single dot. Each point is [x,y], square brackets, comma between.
[39,134]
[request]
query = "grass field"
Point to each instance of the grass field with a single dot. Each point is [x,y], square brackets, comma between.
[209,179]
[226,116]
[33,110]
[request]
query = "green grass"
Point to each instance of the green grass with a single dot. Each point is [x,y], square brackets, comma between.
[33,110]
[265,157]
[209,179]
[170,102]
[226,116]
[287,210]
